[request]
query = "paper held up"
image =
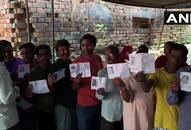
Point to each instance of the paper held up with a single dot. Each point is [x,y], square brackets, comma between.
[23,70]
[98,82]
[24,104]
[142,62]
[59,74]
[80,68]
[118,70]
[39,86]
[185,81]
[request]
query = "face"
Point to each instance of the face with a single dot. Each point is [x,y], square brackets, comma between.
[87,47]
[27,55]
[111,58]
[175,59]
[43,57]
[63,52]
[8,53]
[167,49]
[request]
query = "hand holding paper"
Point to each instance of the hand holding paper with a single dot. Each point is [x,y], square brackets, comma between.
[142,62]
[23,104]
[23,69]
[59,74]
[185,81]
[39,86]
[78,68]
[118,70]
[98,82]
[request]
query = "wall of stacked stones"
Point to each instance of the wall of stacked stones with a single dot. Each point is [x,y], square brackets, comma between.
[111,23]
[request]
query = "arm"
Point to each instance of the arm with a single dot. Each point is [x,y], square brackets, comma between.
[6,90]
[125,90]
[173,93]
[126,94]
[76,82]
[146,84]
[100,93]
[51,82]
[172,97]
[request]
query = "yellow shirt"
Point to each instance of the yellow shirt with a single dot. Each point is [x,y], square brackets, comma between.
[166,116]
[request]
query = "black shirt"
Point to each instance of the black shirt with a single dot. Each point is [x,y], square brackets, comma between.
[63,92]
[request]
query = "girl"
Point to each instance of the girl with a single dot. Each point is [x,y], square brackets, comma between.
[138,105]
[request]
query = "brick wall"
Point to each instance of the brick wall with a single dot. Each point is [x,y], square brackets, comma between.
[73,18]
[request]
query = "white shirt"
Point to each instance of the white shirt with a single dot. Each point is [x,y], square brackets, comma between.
[8,111]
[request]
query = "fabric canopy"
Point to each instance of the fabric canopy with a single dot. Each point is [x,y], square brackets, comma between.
[155,3]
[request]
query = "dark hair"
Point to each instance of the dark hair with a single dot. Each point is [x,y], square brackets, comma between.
[5,43]
[41,47]
[28,45]
[90,37]
[181,48]
[114,49]
[170,43]
[2,48]
[62,43]
[143,49]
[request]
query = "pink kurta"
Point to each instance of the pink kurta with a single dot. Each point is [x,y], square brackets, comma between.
[138,114]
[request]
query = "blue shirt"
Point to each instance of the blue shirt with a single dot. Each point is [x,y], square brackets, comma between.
[184,100]
[111,108]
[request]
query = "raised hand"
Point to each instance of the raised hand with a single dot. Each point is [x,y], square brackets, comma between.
[140,76]
[51,79]
[175,86]
[119,83]
[101,91]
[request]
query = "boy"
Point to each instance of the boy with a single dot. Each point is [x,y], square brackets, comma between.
[9,117]
[44,103]
[111,108]
[27,53]
[11,62]
[65,96]
[88,106]
[162,60]
[177,96]
[27,115]
[166,116]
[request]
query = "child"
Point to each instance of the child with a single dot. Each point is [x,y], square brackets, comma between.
[88,106]
[27,53]
[111,109]
[9,117]
[166,116]
[124,54]
[138,108]
[143,49]
[26,115]
[65,96]
[182,98]
[162,60]
[11,62]
[44,103]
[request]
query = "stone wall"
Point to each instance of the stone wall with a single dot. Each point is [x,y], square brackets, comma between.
[111,23]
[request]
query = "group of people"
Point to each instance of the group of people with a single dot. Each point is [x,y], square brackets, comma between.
[139,102]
